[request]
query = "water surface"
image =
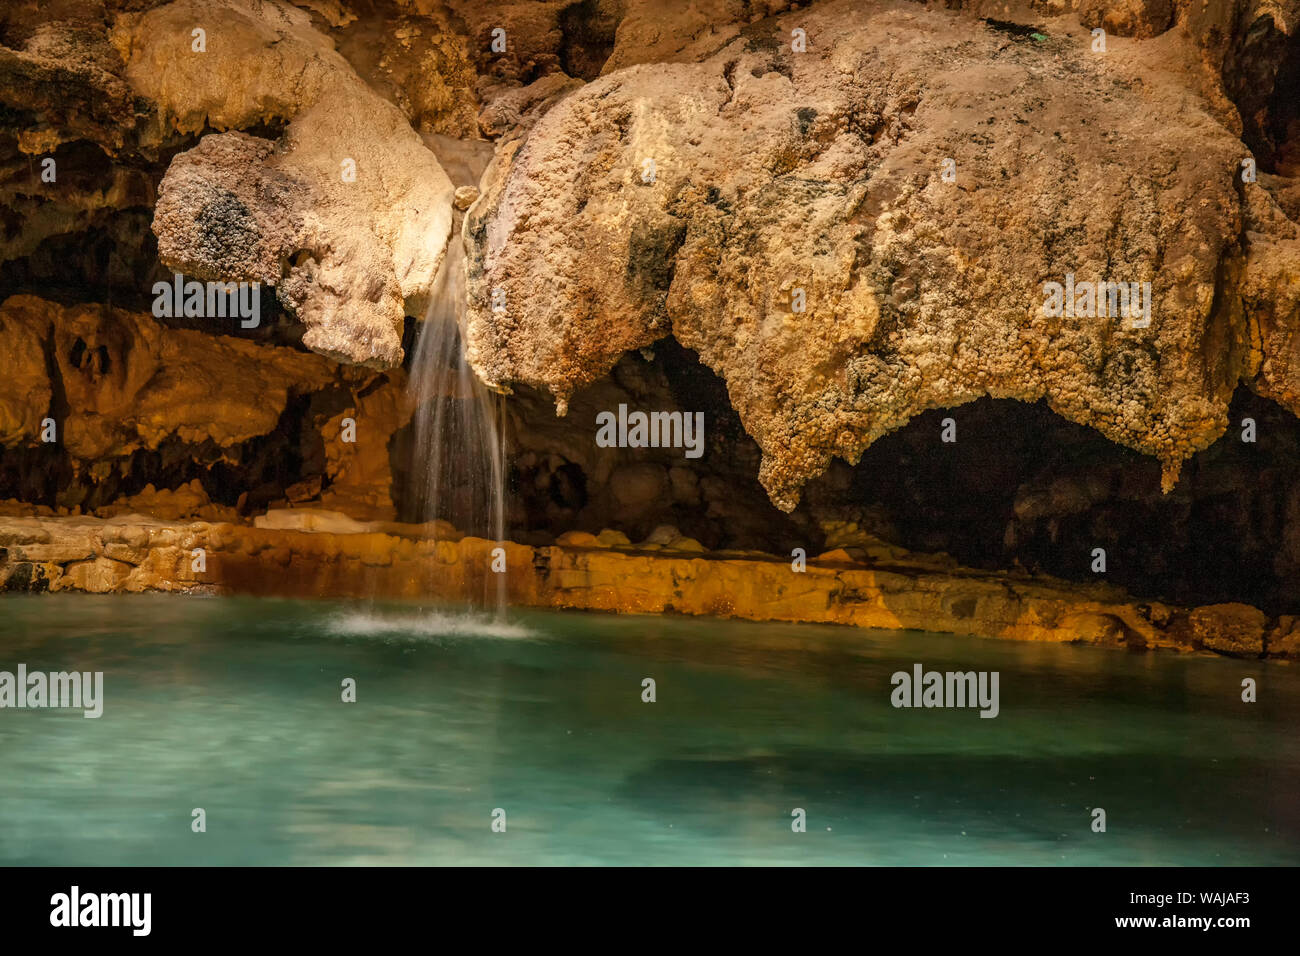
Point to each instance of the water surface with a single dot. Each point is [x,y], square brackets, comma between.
[234,705]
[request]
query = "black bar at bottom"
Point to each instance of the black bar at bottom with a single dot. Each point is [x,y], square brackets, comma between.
[334,906]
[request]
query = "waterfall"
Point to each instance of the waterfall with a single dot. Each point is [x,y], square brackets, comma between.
[459,439]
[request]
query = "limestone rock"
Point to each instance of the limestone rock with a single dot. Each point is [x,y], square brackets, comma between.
[26,397]
[130,382]
[99,576]
[783,179]
[188,501]
[413,55]
[610,538]
[663,535]
[1236,629]
[348,214]
[359,471]
[514,110]
[65,74]
[577,539]
[1284,639]
[654,32]
[465,196]
[1128,18]
[309,519]
[309,554]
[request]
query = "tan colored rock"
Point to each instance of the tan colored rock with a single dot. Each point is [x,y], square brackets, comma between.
[131,382]
[188,501]
[309,519]
[465,196]
[414,55]
[49,211]
[685,485]
[347,215]
[436,530]
[514,110]
[835,556]
[1236,629]
[360,471]
[1270,293]
[654,32]
[1094,628]
[534,34]
[25,399]
[100,576]
[663,535]
[1128,18]
[67,75]
[577,539]
[125,553]
[776,172]
[309,554]
[1284,639]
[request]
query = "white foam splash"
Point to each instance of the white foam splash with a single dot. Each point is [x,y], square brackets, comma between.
[424,625]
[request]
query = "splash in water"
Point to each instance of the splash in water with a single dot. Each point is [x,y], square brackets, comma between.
[459,442]
[417,628]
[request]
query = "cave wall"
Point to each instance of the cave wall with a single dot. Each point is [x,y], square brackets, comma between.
[773,171]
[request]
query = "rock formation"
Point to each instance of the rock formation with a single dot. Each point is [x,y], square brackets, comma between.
[347,214]
[785,214]
[824,225]
[101,386]
[301,551]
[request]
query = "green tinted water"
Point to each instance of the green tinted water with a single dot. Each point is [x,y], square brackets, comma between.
[234,706]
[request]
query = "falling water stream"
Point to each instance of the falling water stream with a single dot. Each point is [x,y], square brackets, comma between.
[459,441]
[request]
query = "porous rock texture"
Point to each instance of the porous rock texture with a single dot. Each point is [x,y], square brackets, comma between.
[669,179]
[347,215]
[818,174]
